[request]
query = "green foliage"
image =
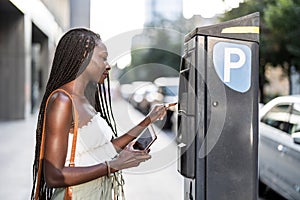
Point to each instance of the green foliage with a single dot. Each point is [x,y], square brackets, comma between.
[283,19]
[158,52]
[150,63]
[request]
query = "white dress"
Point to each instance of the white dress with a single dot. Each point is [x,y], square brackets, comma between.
[93,147]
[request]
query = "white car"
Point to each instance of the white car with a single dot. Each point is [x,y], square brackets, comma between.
[279,146]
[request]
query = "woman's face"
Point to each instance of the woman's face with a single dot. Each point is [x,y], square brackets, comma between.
[98,67]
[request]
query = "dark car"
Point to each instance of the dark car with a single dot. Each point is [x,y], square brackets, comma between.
[167,92]
[279,146]
[142,95]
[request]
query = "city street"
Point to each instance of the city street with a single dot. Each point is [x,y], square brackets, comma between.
[155,179]
[231,67]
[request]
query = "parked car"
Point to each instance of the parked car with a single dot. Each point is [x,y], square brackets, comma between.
[140,94]
[142,98]
[167,92]
[279,146]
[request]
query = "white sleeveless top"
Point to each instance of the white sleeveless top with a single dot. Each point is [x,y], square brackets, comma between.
[93,146]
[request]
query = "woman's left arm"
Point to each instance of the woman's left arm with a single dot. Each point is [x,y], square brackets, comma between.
[158,112]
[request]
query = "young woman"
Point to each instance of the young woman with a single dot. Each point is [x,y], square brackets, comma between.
[76,85]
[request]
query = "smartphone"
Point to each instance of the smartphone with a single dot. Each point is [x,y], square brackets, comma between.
[145,139]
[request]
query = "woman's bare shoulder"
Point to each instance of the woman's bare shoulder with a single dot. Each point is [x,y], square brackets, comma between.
[60,101]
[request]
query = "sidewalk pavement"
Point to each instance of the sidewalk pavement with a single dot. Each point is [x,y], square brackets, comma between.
[156,179]
[17,141]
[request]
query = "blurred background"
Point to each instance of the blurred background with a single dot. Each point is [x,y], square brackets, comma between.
[145,40]
[145,43]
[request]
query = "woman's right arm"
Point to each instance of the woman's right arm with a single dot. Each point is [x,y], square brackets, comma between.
[58,123]
[157,112]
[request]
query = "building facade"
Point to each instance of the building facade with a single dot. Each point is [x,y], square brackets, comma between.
[29,32]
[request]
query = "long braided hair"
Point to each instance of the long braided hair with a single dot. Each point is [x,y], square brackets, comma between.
[72,55]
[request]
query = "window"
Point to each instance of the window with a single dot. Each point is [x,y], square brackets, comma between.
[295,118]
[279,117]
[169,90]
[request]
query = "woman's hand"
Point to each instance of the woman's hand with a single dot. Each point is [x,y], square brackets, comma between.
[158,112]
[129,157]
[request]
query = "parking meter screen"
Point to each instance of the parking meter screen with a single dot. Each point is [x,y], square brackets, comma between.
[146,139]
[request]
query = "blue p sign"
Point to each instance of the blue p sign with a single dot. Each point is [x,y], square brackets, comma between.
[232,63]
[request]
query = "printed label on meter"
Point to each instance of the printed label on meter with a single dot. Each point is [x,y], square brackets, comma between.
[232,63]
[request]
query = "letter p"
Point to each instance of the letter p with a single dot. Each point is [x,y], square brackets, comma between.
[228,64]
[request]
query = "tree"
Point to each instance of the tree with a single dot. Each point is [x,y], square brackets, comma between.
[283,18]
[157,51]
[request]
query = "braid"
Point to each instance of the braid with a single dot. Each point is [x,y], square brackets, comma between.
[105,100]
[111,112]
[72,55]
[105,107]
[99,96]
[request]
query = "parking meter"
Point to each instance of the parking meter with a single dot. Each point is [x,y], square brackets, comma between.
[218,111]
